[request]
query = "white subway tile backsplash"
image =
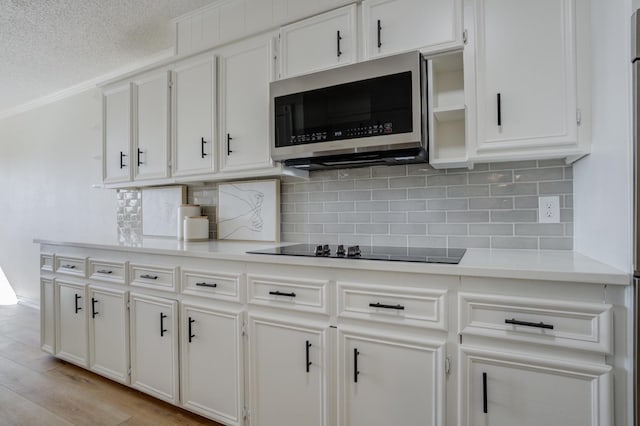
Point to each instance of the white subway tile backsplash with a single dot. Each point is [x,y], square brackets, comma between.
[494,205]
[468,217]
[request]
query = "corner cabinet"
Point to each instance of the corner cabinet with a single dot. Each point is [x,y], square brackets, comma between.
[526,82]
[246,68]
[193,84]
[394,26]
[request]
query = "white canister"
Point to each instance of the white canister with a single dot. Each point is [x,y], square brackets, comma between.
[196,228]
[186,210]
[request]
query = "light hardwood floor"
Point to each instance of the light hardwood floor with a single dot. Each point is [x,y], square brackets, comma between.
[38,389]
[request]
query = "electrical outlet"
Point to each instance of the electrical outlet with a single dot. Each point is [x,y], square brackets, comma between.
[549,209]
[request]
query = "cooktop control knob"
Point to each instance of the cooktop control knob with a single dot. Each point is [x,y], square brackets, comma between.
[318,251]
[340,251]
[326,251]
[353,251]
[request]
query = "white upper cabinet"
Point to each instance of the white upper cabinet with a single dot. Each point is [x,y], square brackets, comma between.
[525,77]
[246,68]
[193,84]
[393,26]
[116,146]
[151,141]
[325,41]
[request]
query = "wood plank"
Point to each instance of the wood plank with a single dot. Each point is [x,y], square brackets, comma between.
[143,409]
[27,355]
[19,411]
[70,401]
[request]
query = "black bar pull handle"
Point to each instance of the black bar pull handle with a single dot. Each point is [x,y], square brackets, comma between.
[229,139]
[308,345]
[203,284]
[380,305]
[191,335]
[529,324]
[149,277]
[162,329]
[202,153]
[69,266]
[280,293]
[122,155]
[78,308]
[356,352]
[499,101]
[104,271]
[379,34]
[338,38]
[93,307]
[139,155]
[484,393]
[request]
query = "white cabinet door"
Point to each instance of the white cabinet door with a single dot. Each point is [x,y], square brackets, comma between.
[151,141]
[288,373]
[246,68]
[193,85]
[116,145]
[154,346]
[211,375]
[71,322]
[502,390]
[108,333]
[393,26]
[325,41]
[390,381]
[525,74]
[47,316]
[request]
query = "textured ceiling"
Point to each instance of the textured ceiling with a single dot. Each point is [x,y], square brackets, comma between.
[49,45]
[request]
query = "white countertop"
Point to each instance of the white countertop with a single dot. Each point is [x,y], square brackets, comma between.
[552,265]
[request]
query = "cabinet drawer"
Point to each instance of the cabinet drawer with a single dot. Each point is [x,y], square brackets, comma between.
[392,304]
[155,277]
[578,325]
[71,265]
[46,262]
[214,285]
[113,272]
[299,295]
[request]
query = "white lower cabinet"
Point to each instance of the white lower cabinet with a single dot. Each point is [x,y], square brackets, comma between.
[389,381]
[212,362]
[501,389]
[154,346]
[47,316]
[109,333]
[288,366]
[71,322]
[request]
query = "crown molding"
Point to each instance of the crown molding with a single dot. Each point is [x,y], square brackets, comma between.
[88,84]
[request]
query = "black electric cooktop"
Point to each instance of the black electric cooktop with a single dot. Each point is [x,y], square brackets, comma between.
[398,254]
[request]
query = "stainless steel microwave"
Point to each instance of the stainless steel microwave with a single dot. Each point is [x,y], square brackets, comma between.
[363,114]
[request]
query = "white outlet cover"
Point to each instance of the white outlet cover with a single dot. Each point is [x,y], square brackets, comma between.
[549,209]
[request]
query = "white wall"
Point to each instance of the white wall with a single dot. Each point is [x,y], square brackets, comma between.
[602,180]
[49,157]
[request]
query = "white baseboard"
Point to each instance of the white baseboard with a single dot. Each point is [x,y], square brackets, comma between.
[29,302]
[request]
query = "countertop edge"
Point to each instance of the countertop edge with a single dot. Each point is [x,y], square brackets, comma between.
[599,273]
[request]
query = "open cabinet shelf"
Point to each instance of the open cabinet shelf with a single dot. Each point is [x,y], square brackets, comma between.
[447,111]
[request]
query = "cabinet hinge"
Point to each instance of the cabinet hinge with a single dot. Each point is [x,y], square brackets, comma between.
[578,116]
[245,413]
[129,371]
[170,82]
[244,328]
[128,306]
[447,365]
[464,36]
[460,336]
